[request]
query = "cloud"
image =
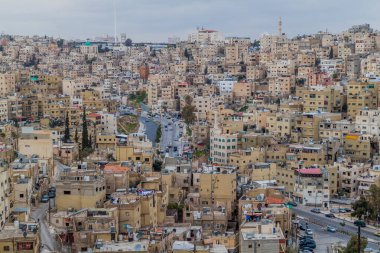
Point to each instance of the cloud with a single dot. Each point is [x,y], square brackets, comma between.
[156,20]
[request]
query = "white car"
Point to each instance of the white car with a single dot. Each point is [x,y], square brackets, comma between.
[309,231]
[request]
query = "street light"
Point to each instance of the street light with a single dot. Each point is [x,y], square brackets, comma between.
[359,224]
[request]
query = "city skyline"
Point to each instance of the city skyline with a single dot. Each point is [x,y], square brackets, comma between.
[144,20]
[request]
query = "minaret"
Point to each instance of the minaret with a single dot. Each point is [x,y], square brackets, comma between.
[280,27]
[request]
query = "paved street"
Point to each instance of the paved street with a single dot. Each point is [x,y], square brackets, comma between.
[47,238]
[171,136]
[318,223]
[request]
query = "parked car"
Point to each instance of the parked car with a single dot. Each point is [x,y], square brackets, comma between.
[51,195]
[309,231]
[303,227]
[330,215]
[331,229]
[377,233]
[315,210]
[306,237]
[292,203]
[307,243]
[45,199]
[334,210]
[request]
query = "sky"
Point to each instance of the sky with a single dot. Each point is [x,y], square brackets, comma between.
[156,20]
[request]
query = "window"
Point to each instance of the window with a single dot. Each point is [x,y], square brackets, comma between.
[24,246]
[21,195]
[6,248]
[67,192]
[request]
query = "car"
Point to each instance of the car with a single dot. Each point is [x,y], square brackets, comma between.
[331,229]
[51,195]
[45,199]
[334,210]
[306,250]
[342,210]
[348,210]
[309,244]
[303,227]
[315,210]
[292,203]
[377,233]
[52,189]
[330,215]
[309,231]
[306,237]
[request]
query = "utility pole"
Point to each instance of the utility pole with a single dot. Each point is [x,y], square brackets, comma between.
[49,212]
[359,242]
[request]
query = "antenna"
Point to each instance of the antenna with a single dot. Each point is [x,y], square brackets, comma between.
[114,20]
[280,27]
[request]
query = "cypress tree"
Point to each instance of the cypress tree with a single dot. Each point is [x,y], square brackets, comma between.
[85,142]
[66,136]
[76,137]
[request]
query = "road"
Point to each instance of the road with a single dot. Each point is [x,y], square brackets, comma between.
[171,131]
[150,128]
[318,222]
[39,214]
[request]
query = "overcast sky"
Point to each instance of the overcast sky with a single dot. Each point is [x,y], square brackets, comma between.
[156,20]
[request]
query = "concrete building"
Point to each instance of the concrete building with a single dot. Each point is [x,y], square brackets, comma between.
[80,188]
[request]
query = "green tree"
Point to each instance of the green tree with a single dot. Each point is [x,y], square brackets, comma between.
[188,111]
[128,42]
[158,134]
[157,165]
[60,43]
[186,54]
[66,136]
[374,199]
[331,55]
[76,137]
[361,207]
[90,141]
[352,245]
[85,140]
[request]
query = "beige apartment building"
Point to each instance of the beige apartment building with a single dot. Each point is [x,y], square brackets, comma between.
[324,99]
[7,84]
[80,189]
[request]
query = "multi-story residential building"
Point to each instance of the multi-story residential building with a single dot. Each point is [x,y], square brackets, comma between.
[348,174]
[358,147]
[221,144]
[312,187]
[261,236]
[323,99]
[80,188]
[368,122]
[335,129]
[7,84]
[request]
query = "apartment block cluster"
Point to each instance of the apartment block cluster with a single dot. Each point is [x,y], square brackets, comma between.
[274,120]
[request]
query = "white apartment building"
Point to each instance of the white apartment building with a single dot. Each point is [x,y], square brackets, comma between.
[226,85]
[108,123]
[206,36]
[332,66]
[368,122]
[221,144]
[280,68]
[312,187]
